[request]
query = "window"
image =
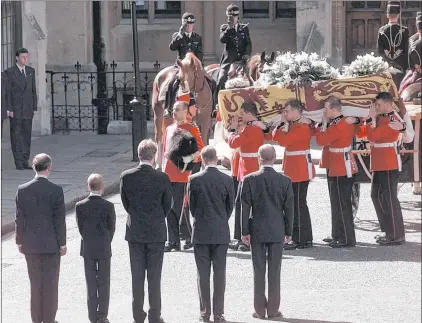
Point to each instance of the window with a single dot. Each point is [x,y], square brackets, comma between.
[162,9]
[285,9]
[256,9]
[9,33]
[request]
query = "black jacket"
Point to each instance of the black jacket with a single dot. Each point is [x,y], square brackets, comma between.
[267,206]
[40,217]
[211,198]
[184,45]
[147,197]
[236,44]
[96,219]
[415,54]
[396,56]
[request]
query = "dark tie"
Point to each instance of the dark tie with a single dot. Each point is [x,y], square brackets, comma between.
[23,72]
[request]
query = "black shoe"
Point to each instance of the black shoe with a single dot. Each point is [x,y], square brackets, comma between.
[328,240]
[103,320]
[243,247]
[204,319]
[234,245]
[307,244]
[379,236]
[187,245]
[258,316]
[26,166]
[384,241]
[291,246]
[171,246]
[273,316]
[294,245]
[219,318]
[338,244]
[20,167]
[159,320]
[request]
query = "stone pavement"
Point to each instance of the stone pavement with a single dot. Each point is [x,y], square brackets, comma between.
[366,284]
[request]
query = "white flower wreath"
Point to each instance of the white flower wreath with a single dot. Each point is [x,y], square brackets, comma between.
[366,65]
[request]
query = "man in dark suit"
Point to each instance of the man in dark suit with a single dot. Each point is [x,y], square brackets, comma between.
[96,219]
[4,112]
[41,237]
[21,103]
[211,198]
[267,223]
[147,197]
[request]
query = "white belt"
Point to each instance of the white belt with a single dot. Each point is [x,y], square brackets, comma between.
[253,155]
[346,157]
[306,153]
[392,145]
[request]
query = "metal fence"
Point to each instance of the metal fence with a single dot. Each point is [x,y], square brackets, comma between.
[74,96]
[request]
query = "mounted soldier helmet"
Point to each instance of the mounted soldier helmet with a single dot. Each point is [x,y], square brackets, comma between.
[393,7]
[232,10]
[188,18]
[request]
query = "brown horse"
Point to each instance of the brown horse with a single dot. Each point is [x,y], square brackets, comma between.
[192,79]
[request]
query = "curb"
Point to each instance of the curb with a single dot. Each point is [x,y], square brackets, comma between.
[70,205]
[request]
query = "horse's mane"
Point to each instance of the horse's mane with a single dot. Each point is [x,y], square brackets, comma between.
[190,57]
[254,61]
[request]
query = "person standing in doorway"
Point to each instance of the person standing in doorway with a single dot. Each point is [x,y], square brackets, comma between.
[21,103]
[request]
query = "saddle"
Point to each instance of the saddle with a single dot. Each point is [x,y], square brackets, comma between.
[182,147]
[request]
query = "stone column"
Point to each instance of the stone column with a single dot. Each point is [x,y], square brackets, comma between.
[210,29]
[317,15]
[34,38]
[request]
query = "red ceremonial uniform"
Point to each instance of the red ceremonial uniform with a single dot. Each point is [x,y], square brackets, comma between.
[339,137]
[248,141]
[297,163]
[384,151]
[175,175]
[235,162]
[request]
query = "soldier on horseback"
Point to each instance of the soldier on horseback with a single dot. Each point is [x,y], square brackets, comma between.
[237,45]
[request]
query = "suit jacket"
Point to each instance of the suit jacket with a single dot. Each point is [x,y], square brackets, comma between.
[186,44]
[40,217]
[211,198]
[96,219]
[395,56]
[267,206]
[21,92]
[147,197]
[236,44]
[3,96]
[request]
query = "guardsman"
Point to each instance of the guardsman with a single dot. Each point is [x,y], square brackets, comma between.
[179,178]
[237,45]
[416,35]
[383,128]
[297,164]
[186,40]
[247,141]
[339,136]
[393,42]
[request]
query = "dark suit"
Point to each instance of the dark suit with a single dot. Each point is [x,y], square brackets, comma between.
[185,44]
[3,99]
[41,230]
[22,101]
[96,221]
[147,197]
[267,216]
[211,197]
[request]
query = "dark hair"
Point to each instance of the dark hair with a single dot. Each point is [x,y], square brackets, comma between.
[41,162]
[385,96]
[295,105]
[250,107]
[334,102]
[21,51]
[208,153]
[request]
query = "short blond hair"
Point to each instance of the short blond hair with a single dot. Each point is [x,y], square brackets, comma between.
[147,149]
[95,182]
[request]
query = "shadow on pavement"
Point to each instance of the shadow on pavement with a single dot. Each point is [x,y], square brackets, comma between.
[292,320]
[373,226]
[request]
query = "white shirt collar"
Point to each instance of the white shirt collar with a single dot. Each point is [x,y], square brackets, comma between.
[144,163]
[21,68]
[40,175]
[188,34]
[236,27]
[94,193]
[210,166]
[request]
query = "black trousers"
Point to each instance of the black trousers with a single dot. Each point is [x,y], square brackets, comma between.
[237,212]
[178,223]
[343,228]
[302,227]
[260,253]
[221,81]
[205,256]
[43,271]
[97,275]
[386,203]
[20,140]
[146,258]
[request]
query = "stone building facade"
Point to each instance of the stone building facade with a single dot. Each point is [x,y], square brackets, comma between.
[59,34]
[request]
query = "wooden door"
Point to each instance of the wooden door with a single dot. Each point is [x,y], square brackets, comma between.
[363,20]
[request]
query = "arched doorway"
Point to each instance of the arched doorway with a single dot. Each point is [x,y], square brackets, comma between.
[363,20]
[11,32]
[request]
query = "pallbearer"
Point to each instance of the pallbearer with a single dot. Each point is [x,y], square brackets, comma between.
[339,136]
[297,164]
[393,42]
[247,140]
[386,164]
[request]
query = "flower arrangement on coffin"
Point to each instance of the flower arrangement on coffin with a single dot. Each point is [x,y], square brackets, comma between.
[366,65]
[298,69]
[237,82]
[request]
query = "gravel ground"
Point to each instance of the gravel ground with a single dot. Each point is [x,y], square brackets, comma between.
[368,283]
